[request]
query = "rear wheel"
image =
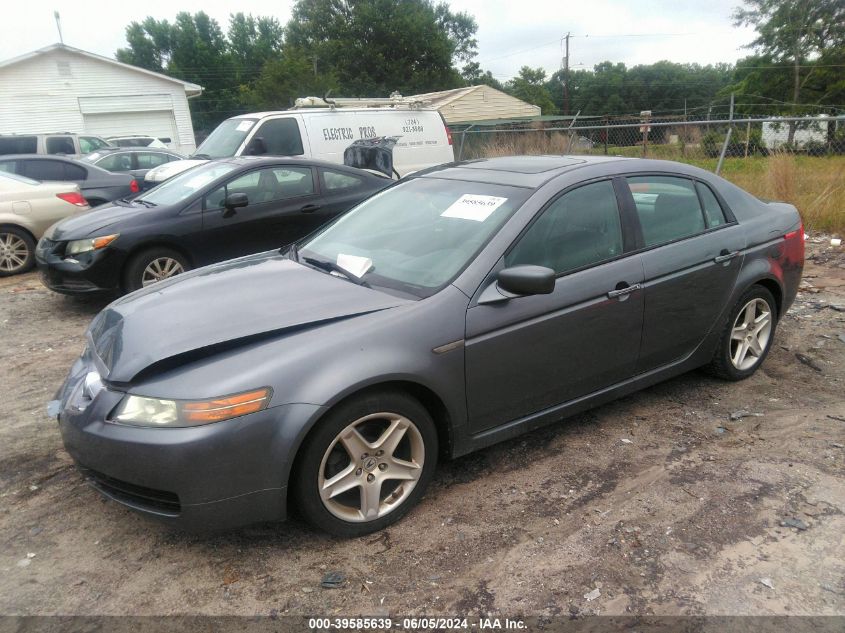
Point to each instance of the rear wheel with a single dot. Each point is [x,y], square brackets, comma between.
[366,464]
[17,251]
[152,266]
[747,337]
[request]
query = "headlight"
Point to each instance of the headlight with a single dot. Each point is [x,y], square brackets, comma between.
[143,411]
[92,244]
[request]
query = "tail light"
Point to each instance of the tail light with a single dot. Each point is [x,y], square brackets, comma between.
[74,197]
[134,187]
[449,135]
[799,233]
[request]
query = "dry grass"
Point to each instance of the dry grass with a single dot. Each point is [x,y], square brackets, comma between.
[815,185]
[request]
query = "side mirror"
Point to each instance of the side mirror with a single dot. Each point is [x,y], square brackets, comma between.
[234,201]
[256,147]
[527,280]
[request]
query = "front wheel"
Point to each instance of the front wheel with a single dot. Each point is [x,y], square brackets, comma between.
[152,266]
[747,337]
[366,464]
[17,251]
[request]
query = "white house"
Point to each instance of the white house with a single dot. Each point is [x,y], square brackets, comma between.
[64,89]
[478,103]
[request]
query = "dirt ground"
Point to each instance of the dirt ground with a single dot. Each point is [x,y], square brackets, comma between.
[660,501]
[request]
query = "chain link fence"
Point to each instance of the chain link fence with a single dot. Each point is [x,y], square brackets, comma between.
[687,141]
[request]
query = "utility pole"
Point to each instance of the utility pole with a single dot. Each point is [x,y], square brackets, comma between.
[59,25]
[566,78]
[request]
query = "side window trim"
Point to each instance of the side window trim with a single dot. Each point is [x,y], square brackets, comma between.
[625,253]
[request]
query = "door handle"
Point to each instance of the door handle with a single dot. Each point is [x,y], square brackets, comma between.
[725,256]
[310,208]
[621,292]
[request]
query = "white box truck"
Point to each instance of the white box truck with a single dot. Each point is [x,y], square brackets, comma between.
[323,129]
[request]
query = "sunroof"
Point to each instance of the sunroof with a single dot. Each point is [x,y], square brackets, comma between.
[524,164]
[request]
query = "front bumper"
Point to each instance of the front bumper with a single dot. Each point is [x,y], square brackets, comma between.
[96,272]
[215,476]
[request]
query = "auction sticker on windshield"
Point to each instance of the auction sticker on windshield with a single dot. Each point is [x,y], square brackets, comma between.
[244,126]
[472,206]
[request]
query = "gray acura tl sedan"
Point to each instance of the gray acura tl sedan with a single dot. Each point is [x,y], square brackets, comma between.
[460,307]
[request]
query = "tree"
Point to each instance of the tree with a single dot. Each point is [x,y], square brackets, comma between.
[794,32]
[285,78]
[530,86]
[473,76]
[375,47]
[253,42]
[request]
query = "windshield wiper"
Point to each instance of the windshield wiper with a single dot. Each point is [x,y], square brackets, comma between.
[201,156]
[146,203]
[330,266]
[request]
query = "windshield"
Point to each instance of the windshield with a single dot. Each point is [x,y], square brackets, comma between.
[186,184]
[226,138]
[418,235]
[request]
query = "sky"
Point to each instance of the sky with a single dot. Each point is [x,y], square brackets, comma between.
[510,34]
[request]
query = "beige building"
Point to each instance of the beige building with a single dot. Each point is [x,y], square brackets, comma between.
[478,103]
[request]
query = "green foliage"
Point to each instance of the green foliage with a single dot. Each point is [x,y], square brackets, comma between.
[354,47]
[473,76]
[377,46]
[800,47]
[530,86]
[666,87]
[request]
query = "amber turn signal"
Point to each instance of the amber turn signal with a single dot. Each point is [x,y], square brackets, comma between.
[225,408]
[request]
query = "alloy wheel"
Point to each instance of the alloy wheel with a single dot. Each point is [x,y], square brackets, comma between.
[159,269]
[750,335]
[14,253]
[371,467]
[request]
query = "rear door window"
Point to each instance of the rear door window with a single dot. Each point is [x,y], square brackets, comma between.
[281,137]
[74,172]
[60,145]
[713,212]
[148,160]
[668,208]
[44,169]
[18,145]
[338,181]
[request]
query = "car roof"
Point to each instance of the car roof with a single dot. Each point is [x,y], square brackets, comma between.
[115,150]
[275,160]
[518,171]
[61,157]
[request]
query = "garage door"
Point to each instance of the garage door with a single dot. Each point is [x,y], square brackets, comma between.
[158,123]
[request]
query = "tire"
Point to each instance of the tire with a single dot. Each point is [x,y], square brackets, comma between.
[724,363]
[381,419]
[17,251]
[141,269]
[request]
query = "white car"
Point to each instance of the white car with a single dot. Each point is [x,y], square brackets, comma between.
[137,141]
[161,173]
[27,209]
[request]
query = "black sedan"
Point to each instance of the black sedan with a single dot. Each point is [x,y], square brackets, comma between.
[97,185]
[463,306]
[217,211]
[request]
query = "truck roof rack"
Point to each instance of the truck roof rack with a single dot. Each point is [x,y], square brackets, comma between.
[395,100]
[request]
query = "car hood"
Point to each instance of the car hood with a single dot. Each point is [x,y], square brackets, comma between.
[218,307]
[90,223]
